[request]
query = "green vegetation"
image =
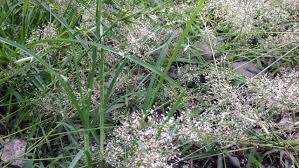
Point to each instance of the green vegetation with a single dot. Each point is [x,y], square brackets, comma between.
[140,83]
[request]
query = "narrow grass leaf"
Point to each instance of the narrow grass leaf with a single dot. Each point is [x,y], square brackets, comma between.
[76,159]
[177,48]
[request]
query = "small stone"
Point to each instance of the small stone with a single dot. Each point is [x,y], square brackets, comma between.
[12,151]
[247,69]
[286,123]
[234,161]
[206,50]
[173,72]
[296,136]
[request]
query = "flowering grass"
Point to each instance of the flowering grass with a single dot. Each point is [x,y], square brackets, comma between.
[150,83]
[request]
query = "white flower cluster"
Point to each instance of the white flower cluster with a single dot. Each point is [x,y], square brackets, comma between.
[52,104]
[208,36]
[220,112]
[292,5]
[88,21]
[48,31]
[126,80]
[224,110]
[45,32]
[278,95]
[244,15]
[137,145]
[139,38]
[188,73]
[225,114]
[283,38]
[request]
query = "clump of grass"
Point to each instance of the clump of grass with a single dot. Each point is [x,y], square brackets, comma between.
[149,84]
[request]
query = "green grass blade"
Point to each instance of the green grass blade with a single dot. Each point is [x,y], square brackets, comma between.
[24,21]
[99,33]
[76,159]
[67,87]
[114,79]
[132,58]
[176,49]
[171,112]
[161,59]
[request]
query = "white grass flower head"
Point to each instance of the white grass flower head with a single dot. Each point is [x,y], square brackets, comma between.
[139,36]
[239,13]
[48,31]
[54,103]
[292,5]
[189,73]
[208,36]
[280,94]
[225,113]
[134,145]
[244,15]
[88,21]
[282,38]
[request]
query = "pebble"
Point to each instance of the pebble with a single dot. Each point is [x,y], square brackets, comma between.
[247,69]
[14,149]
[206,50]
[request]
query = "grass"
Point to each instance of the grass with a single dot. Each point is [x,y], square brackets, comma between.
[128,84]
